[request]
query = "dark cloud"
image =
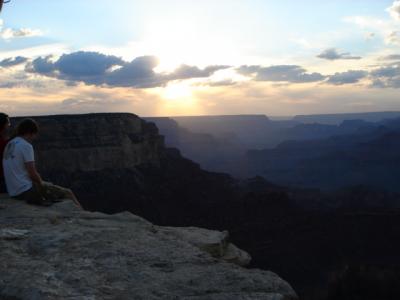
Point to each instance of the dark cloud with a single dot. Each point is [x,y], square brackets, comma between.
[390,57]
[139,73]
[378,83]
[186,72]
[98,69]
[41,65]
[249,70]
[334,54]
[386,76]
[10,62]
[349,77]
[86,64]
[88,67]
[387,71]
[282,73]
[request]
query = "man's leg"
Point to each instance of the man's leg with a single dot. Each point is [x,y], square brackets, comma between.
[56,193]
[34,196]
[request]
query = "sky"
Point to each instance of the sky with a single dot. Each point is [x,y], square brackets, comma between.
[189,57]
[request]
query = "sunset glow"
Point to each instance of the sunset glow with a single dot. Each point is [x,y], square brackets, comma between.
[200,58]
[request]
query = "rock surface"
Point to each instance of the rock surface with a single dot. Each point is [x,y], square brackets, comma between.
[62,252]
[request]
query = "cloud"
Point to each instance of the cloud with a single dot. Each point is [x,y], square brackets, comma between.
[94,68]
[32,84]
[377,83]
[10,33]
[385,28]
[84,104]
[186,72]
[349,77]
[370,35]
[139,73]
[20,79]
[334,54]
[10,62]
[394,10]
[221,83]
[280,73]
[387,71]
[218,83]
[94,102]
[86,64]
[41,65]
[386,76]
[8,85]
[393,38]
[390,57]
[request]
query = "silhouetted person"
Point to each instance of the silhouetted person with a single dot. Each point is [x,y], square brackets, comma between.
[22,179]
[4,125]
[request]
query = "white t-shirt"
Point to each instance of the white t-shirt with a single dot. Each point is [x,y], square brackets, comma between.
[17,152]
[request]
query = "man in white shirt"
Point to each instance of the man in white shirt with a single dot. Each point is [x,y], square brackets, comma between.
[21,177]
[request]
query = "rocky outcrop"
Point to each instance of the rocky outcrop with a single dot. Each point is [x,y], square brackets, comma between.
[62,252]
[93,142]
[215,243]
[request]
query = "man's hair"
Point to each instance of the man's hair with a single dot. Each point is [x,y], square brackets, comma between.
[3,120]
[27,126]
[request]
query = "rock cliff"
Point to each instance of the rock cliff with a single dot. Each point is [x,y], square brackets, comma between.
[93,142]
[62,252]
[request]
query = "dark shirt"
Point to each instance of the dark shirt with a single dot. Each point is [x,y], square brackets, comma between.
[3,143]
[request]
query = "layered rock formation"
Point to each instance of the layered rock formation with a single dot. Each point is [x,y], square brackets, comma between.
[367,157]
[218,153]
[94,142]
[220,143]
[63,252]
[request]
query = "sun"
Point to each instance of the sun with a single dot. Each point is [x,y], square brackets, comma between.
[177,98]
[177,91]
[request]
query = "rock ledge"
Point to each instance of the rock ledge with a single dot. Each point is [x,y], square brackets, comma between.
[62,252]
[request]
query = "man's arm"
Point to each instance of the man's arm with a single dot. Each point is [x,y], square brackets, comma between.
[33,173]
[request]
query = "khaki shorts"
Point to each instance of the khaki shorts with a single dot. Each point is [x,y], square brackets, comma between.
[47,192]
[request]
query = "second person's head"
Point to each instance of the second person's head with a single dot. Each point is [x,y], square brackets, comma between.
[27,129]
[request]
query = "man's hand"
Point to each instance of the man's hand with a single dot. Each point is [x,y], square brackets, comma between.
[33,173]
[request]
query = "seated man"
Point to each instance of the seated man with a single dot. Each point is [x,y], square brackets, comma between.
[21,177]
[4,125]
